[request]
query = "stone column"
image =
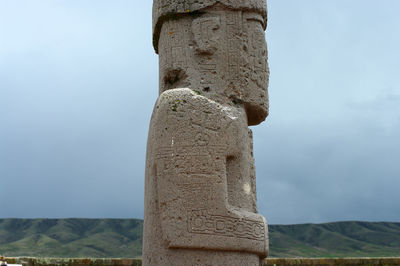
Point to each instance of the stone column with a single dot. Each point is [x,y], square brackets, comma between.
[200,192]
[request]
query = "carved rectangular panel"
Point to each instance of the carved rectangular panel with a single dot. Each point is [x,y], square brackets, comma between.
[193,161]
[233,33]
[202,222]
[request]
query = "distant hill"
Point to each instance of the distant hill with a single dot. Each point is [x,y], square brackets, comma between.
[112,238]
[71,237]
[340,239]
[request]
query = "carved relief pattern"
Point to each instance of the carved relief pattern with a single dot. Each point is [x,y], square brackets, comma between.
[202,222]
[222,48]
[200,177]
[233,32]
[176,44]
[192,160]
[205,34]
[257,50]
[196,172]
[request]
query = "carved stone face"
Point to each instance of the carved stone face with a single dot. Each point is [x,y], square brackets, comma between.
[221,54]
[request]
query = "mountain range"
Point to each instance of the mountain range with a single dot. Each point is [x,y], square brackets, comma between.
[122,238]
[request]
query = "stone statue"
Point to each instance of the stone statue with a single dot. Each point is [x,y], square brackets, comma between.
[200,192]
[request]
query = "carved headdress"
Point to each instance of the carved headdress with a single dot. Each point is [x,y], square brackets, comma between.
[166,9]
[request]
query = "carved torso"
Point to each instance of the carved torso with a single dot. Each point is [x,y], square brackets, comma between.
[201,166]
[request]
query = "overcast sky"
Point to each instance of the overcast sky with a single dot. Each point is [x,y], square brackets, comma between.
[79,78]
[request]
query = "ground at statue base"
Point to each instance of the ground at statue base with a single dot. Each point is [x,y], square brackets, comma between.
[268,262]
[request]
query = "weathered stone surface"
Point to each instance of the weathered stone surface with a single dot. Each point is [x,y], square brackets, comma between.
[200,196]
[201,178]
[166,9]
[222,54]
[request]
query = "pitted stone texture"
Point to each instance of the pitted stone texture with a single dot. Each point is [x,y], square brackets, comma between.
[200,185]
[200,196]
[166,9]
[221,53]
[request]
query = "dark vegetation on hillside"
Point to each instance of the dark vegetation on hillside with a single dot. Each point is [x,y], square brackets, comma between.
[340,239]
[111,238]
[71,237]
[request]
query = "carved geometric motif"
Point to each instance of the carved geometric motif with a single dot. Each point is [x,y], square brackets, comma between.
[189,160]
[202,222]
[233,31]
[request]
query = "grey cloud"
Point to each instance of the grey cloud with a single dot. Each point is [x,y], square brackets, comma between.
[78,82]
